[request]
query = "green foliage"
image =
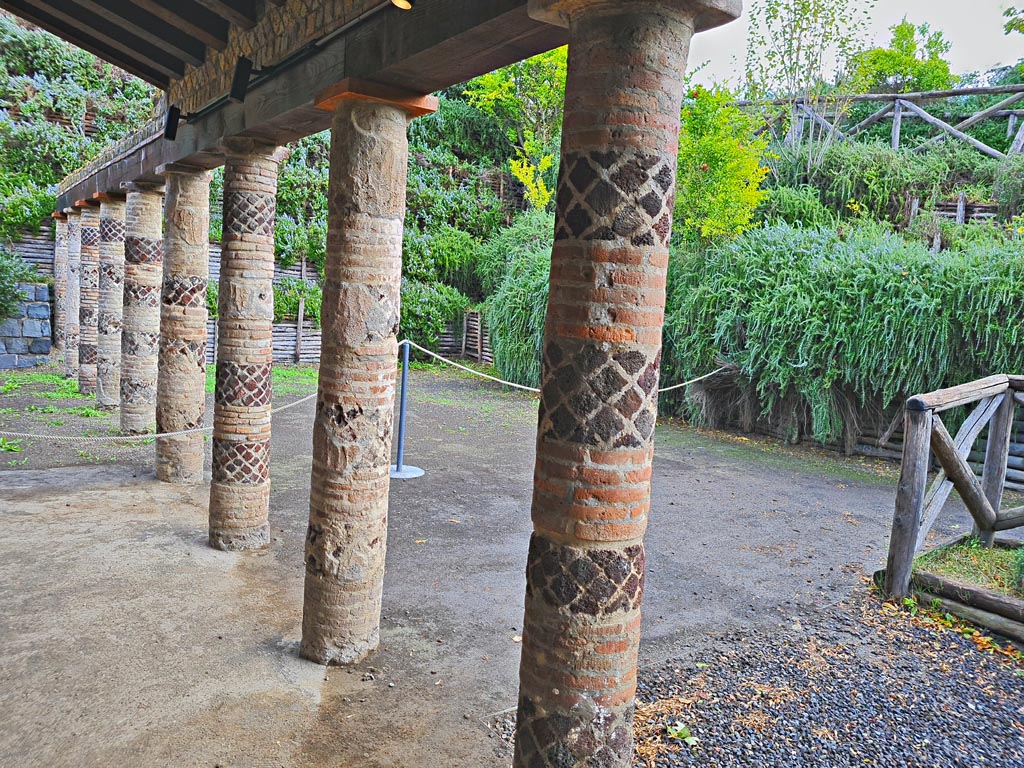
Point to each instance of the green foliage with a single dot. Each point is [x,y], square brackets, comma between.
[914,61]
[288,291]
[875,180]
[526,99]
[13,271]
[1009,186]
[212,298]
[719,168]
[1014,20]
[797,206]
[444,191]
[427,308]
[301,227]
[49,91]
[454,254]
[470,134]
[822,322]
[515,316]
[529,233]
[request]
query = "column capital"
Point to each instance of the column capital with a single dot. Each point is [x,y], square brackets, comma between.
[182,169]
[414,104]
[241,145]
[59,215]
[707,14]
[83,204]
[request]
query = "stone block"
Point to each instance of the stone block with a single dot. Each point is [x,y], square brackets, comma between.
[27,361]
[40,346]
[3,346]
[17,346]
[42,292]
[39,311]
[10,327]
[35,329]
[8,361]
[20,310]
[28,291]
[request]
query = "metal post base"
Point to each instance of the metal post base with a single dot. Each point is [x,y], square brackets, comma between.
[407,472]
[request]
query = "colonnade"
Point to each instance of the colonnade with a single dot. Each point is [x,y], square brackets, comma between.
[601,358]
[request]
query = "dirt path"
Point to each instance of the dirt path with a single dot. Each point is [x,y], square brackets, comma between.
[745,537]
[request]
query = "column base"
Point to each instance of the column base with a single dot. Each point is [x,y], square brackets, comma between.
[238,516]
[340,623]
[180,460]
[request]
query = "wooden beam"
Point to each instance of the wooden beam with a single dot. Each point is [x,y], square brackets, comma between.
[915,96]
[823,122]
[971,595]
[942,486]
[869,121]
[977,117]
[962,394]
[415,104]
[1010,519]
[960,472]
[133,19]
[86,41]
[932,120]
[190,18]
[130,46]
[241,13]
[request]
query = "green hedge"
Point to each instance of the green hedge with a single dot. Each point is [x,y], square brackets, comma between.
[827,322]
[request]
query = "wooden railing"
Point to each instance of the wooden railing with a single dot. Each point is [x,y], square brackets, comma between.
[917,504]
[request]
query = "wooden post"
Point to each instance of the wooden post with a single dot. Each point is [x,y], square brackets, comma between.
[301,317]
[480,337]
[1011,125]
[993,475]
[897,124]
[906,519]
[465,331]
[961,208]
[915,207]
[1018,141]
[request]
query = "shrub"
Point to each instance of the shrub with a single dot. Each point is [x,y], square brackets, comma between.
[212,297]
[453,253]
[427,308]
[529,233]
[287,293]
[719,167]
[798,206]
[822,323]
[1009,186]
[13,271]
[515,317]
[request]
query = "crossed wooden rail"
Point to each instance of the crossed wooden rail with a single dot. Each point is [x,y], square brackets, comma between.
[917,504]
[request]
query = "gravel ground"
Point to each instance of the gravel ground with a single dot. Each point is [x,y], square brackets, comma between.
[867,685]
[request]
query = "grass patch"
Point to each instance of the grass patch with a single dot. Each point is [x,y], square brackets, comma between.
[994,569]
[52,386]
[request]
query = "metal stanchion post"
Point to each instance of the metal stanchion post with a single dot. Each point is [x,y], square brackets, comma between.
[400,470]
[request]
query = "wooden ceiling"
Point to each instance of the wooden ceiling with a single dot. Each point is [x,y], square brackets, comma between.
[153,39]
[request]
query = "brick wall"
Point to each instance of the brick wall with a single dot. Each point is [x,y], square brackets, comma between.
[25,338]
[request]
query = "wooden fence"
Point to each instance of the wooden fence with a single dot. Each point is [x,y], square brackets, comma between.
[37,250]
[918,504]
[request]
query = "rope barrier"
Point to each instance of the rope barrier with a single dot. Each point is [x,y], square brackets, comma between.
[147,438]
[134,438]
[535,389]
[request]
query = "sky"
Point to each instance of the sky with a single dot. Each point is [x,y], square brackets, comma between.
[975,28]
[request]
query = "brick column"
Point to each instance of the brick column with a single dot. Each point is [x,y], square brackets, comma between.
[143,257]
[347,534]
[72,293]
[60,279]
[601,357]
[240,490]
[111,301]
[181,384]
[89,296]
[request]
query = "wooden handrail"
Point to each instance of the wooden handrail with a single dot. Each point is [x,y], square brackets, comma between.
[944,399]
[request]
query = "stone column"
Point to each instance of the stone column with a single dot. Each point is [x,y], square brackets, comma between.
[181,383]
[111,301]
[73,293]
[348,505]
[89,296]
[143,259]
[60,279]
[240,490]
[601,357]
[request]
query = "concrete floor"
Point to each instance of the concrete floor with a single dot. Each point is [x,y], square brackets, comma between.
[126,641]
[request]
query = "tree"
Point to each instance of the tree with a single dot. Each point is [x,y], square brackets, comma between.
[527,99]
[914,61]
[1014,20]
[796,46]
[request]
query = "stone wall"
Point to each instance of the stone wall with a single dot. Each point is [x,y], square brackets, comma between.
[282,31]
[25,338]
